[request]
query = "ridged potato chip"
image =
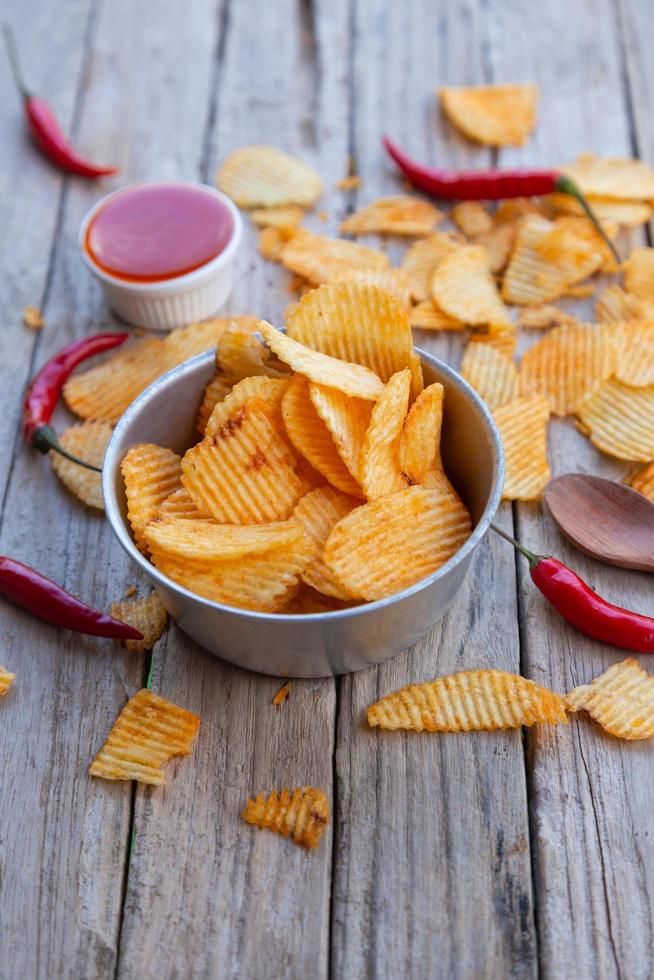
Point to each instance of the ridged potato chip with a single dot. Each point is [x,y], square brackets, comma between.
[263,176]
[402,215]
[569,364]
[523,430]
[147,615]
[360,323]
[426,315]
[148,732]
[548,257]
[631,214]
[105,391]
[219,386]
[544,317]
[347,420]
[621,700]
[318,512]
[583,228]
[6,680]
[89,442]
[185,342]
[496,115]
[639,273]
[643,481]
[243,472]
[352,379]
[463,287]
[420,443]
[617,178]
[308,601]
[422,258]
[285,216]
[178,504]
[240,354]
[380,470]
[301,814]
[620,421]
[389,544]
[320,259]
[312,439]
[472,700]
[151,473]
[615,306]
[268,391]
[393,281]
[493,376]
[272,241]
[502,339]
[205,540]
[636,354]
[472,217]
[499,242]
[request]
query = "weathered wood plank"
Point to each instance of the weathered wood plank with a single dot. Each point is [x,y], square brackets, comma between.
[65,837]
[432,870]
[204,888]
[590,797]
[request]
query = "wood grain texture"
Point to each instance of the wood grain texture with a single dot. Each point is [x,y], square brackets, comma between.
[590,798]
[208,893]
[432,873]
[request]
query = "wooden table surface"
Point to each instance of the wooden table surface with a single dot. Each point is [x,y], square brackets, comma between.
[498,856]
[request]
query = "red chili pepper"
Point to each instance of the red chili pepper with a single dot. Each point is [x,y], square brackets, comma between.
[44,126]
[583,607]
[491,185]
[44,390]
[48,601]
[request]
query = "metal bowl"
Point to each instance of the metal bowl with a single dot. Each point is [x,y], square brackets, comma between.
[319,644]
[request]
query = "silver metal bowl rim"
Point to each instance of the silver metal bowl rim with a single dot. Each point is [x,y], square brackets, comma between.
[120,530]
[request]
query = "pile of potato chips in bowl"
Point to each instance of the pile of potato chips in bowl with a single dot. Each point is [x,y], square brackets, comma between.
[287,493]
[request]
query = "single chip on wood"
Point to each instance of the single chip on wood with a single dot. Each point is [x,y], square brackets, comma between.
[320,259]
[496,115]
[472,700]
[151,474]
[422,258]
[620,420]
[493,376]
[643,481]
[380,470]
[463,287]
[148,732]
[472,217]
[318,512]
[87,441]
[523,430]
[105,391]
[615,178]
[301,814]
[389,544]
[147,615]
[263,176]
[402,215]
[6,680]
[621,700]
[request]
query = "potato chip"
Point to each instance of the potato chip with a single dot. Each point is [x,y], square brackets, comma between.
[347,420]
[105,391]
[242,472]
[32,318]
[502,339]
[389,544]
[89,442]
[523,429]
[584,229]
[360,323]
[219,386]
[643,481]
[496,115]
[426,315]
[464,288]
[514,209]
[636,353]
[282,694]
[621,700]
[195,338]
[402,215]
[268,391]
[6,680]
[263,176]
[178,504]
[548,257]
[351,183]
[499,242]
[264,582]
[569,364]
[543,317]
[318,512]
[493,376]
[393,281]
[352,379]
[205,540]
[321,259]
[639,273]
[308,601]
[380,469]
[615,306]
[147,615]
[472,700]
[420,443]
[151,473]
[272,241]
[582,291]
[631,214]
[312,438]
[301,814]
[240,354]
[287,217]
[620,420]
[619,179]
[472,217]
[148,731]
[422,258]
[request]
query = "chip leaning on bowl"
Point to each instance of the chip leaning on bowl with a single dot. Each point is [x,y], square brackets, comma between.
[318,475]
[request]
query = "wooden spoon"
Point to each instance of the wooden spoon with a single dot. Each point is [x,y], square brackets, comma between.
[607,520]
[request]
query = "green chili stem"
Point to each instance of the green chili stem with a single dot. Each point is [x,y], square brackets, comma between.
[532,558]
[45,439]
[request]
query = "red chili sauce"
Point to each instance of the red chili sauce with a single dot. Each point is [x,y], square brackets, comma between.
[158,231]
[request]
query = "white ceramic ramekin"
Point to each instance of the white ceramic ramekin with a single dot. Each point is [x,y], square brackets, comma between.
[173,302]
